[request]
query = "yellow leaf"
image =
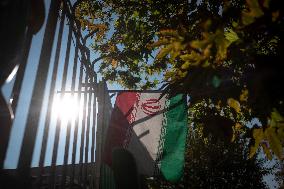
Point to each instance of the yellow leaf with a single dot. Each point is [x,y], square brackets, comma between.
[164,51]
[236,129]
[238,126]
[254,11]
[199,44]
[207,51]
[231,36]
[274,142]
[235,24]
[244,95]
[233,137]
[252,151]
[185,65]
[193,58]
[181,73]
[114,63]
[222,44]
[178,46]
[234,104]
[169,32]
[276,116]
[258,137]
[266,150]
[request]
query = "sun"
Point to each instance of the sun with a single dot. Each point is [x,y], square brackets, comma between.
[66,107]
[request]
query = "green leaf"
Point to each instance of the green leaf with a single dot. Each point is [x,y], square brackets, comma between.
[135,14]
[216,81]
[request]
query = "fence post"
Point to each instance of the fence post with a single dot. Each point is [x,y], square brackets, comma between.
[38,92]
[74,150]
[51,98]
[95,123]
[102,92]
[58,121]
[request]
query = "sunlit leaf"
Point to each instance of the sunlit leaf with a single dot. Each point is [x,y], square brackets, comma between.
[231,36]
[114,63]
[234,104]
[164,51]
[258,136]
[274,142]
[169,32]
[244,95]
[266,150]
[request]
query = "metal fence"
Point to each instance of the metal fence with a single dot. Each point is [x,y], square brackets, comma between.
[63,69]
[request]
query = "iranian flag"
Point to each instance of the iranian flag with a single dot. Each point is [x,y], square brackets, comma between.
[153,130]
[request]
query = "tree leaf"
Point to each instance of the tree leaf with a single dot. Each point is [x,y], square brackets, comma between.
[274,142]
[244,95]
[234,104]
[231,36]
[266,150]
[254,11]
[164,51]
[257,134]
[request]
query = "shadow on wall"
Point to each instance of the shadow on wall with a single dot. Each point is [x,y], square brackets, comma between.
[126,165]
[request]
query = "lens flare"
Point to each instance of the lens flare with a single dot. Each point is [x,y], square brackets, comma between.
[66,107]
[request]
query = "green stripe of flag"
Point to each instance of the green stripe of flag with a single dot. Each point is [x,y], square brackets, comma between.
[172,162]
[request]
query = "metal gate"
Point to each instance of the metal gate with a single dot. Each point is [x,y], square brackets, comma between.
[53,70]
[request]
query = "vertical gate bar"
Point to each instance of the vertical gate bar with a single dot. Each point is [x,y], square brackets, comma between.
[103,119]
[83,135]
[105,171]
[30,132]
[21,71]
[59,121]
[105,109]
[94,104]
[91,169]
[88,117]
[67,143]
[104,127]
[51,97]
[74,150]
[98,136]
[74,74]
[99,133]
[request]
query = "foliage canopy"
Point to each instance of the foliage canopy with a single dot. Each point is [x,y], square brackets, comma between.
[226,55]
